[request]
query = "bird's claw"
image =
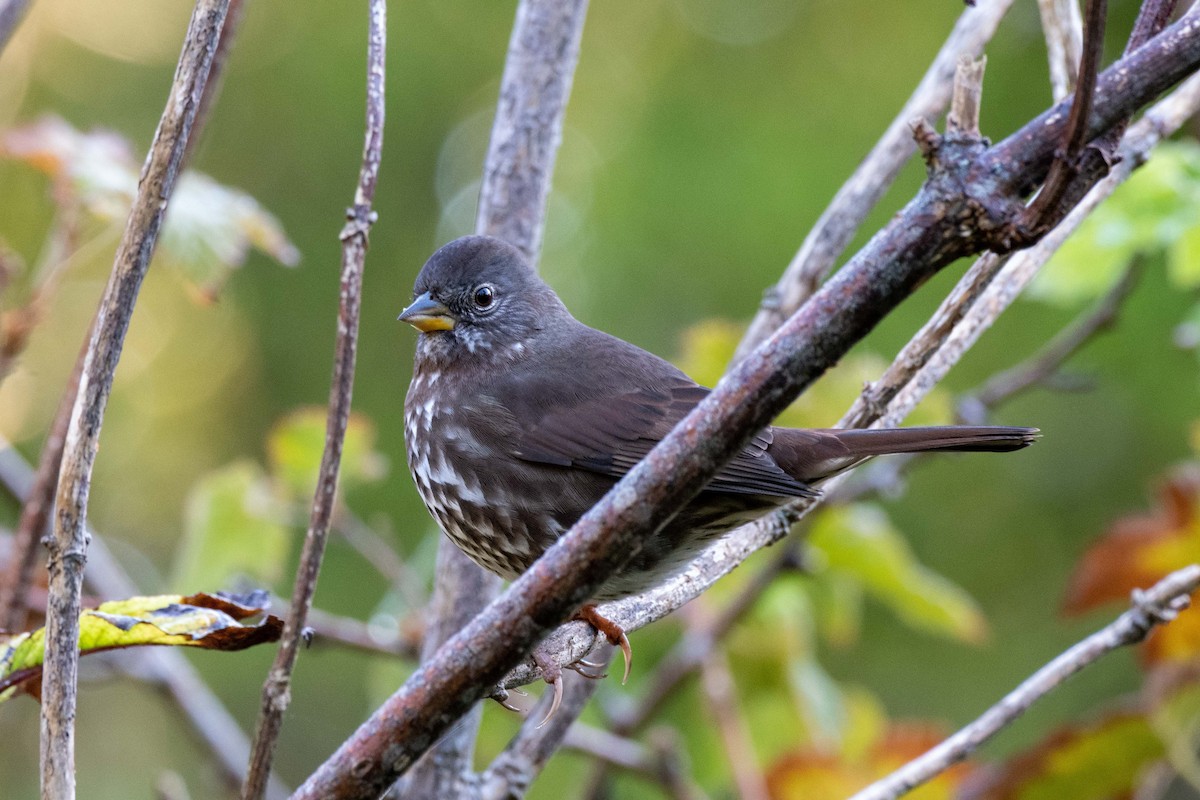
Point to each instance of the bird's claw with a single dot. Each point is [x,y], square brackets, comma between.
[552,674]
[589,669]
[612,631]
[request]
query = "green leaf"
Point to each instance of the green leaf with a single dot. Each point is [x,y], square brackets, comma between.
[202,620]
[860,541]
[1183,259]
[233,528]
[297,443]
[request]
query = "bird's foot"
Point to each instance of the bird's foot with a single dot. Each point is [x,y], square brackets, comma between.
[552,674]
[612,631]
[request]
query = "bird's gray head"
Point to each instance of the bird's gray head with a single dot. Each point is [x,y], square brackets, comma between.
[478,296]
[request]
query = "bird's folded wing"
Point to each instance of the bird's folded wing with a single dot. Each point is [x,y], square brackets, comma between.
[610,435]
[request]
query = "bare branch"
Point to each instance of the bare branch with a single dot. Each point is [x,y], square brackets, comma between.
[528,128]
[968,91]
[166,668]
[11,14]
[1063,28]
[850,206]
[660,763]
[68,547]
[276,692]
[722,703]
[1156,606]
[1056,352]
[35,513]
[1078,165]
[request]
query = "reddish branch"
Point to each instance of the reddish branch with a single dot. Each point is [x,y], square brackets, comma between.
[68,547]
[276,690]
[967,205]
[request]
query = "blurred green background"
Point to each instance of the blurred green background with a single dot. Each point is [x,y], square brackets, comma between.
[702,140]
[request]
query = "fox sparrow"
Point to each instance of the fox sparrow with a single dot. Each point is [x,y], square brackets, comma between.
[520,418]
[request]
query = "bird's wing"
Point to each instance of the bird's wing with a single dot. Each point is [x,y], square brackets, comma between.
[609,433]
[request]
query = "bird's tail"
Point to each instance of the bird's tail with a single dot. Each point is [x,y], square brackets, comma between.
[812,455]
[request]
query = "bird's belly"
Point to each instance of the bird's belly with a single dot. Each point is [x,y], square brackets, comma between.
[472,503]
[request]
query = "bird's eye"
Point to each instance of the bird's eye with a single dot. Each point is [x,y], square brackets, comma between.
[484,296]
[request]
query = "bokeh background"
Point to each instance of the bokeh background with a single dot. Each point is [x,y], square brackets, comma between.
[702,140]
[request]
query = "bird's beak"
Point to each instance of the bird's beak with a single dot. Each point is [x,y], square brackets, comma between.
[426,314]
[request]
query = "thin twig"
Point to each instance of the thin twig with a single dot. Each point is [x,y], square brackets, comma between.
[11,14]
[276,689]
[1043,212]
[660,764]
[1156,606]
[543,52]
[860,193]
[1079,165]
[35,513]
[1062,26]
[929,356]
[68,547]
[1056,352]
[721,695]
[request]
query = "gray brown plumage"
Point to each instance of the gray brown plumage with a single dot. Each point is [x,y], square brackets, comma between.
[519,418]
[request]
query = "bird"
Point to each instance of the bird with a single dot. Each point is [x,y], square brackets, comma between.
[519,418]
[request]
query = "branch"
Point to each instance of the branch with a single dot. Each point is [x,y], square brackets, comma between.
[68,547]
[942,223]
[276,692]
[512,772]
[11,14]
[527,132]
[722,704]
[850,206]
[1065,344]
[1157,606]
[166,667]
[660,763]
[542,55]
[1063,28]
[1077,168]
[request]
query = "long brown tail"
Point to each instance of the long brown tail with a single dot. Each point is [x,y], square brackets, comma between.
[812,455]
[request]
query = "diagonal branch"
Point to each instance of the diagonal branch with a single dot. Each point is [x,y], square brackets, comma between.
[866,187]
[276,691]
[1156,606]
[942,223]
[68,547]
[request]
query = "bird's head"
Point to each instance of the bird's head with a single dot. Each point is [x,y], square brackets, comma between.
[477,295]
